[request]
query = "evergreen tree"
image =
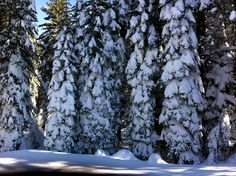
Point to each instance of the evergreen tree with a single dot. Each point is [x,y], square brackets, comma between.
[17,128]
[181,78]
[218,63]
[140,71]
[55,12]
[61,126]
[100,52]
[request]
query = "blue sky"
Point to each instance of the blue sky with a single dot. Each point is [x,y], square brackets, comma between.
[40,14]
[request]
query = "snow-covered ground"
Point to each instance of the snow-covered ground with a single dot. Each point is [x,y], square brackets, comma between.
[122,162]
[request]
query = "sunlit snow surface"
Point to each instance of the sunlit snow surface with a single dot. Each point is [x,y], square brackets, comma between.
[122,162]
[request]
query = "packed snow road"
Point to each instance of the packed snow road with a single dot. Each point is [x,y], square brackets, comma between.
[39,162]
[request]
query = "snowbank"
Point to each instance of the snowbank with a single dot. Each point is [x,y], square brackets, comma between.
[123,162]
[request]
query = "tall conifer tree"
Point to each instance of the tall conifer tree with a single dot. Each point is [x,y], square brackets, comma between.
[142,66]
[218,78]
[183,86]
[61,126]
[17,127]
[100,53]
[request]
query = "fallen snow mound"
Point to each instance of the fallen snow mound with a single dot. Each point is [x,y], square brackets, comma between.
[156,159]
[101,152]
[124,155]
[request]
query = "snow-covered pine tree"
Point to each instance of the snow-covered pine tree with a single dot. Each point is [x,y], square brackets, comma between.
[101,53]
[54,13]
[181,79]
[61,125]
[17,126]
[218,66]
[140,70]
[228,10]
